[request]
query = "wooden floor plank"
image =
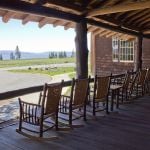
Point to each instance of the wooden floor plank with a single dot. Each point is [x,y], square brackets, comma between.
[128,129]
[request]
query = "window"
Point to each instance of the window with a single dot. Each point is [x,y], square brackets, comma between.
[123,51]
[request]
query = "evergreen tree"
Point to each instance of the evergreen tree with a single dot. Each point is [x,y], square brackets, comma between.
[73,53]
[55,54]
[12,56]
[17,53]
[50,54]
[1,57]
[65,55]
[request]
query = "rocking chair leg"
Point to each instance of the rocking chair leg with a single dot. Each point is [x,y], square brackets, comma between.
[93,108]
[85,112]
[41,129]
[56,121]
[20,124]
[107,112]
[70,118]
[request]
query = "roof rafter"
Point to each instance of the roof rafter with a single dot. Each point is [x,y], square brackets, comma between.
[26,19]
[7,16]
[43,22]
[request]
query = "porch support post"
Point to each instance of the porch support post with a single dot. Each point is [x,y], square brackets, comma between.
[81,50]
[138,54]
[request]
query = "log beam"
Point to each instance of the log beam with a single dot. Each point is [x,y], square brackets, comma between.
[81,50]
[119,8]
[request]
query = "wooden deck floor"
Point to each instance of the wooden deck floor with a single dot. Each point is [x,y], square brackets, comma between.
[129,129]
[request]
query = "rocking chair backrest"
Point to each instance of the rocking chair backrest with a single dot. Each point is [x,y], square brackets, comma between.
[127,81]
[148,75]
[141,76]
[80,91]
[51,97]
[101,87]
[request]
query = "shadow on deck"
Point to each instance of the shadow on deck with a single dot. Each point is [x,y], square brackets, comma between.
[129,129]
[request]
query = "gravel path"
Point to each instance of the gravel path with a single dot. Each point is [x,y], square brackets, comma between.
[12,81]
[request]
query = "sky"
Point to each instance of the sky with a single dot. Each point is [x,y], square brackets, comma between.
[31,38]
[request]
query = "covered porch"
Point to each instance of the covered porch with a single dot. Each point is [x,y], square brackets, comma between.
[128,128]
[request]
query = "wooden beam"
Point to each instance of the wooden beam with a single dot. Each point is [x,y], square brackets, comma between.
[118,22]
[26,19]
[59,23]
[7,16]
[68,25]
[113,28]
[28,90]
[35,9]
[43,22]
[119,8]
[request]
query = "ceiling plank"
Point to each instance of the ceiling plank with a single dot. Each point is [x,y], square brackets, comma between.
[144,22]
[119,8]
[91,28]
[105,32]
[111,34]
[64,5]
[141,20]
[98,31]
[139,15]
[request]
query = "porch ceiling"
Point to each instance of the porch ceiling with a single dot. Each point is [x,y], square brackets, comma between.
[104,17]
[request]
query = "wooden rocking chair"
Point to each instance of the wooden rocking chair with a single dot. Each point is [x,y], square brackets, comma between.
[101,91]
[38,118]
[71,106]
[140,82]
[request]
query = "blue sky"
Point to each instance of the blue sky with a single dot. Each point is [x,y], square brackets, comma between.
[30,37]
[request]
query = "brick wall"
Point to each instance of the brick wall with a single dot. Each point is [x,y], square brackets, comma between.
[146,53]
[103,60]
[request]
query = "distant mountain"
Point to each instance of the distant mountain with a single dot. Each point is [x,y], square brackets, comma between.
[28,55]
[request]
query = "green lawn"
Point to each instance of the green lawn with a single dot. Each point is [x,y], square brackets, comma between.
[51,71]
[28,62]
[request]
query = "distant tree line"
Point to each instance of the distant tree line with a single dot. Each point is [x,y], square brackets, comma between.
[61,54]
[1,57]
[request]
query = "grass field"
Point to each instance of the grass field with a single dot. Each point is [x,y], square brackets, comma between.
[51,71]
[31,62]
